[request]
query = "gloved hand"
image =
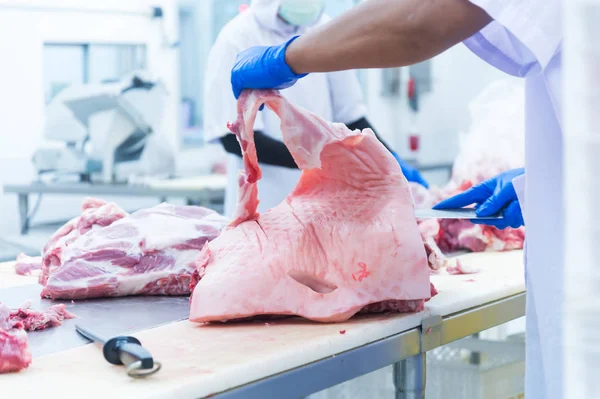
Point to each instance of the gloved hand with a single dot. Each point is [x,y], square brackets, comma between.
[411,173]
[492,196]
[263,67]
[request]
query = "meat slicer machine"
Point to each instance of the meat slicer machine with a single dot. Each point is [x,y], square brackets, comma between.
[107,132]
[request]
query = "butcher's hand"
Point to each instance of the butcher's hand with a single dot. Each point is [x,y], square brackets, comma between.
[263,67]
[492,196]
[411,173]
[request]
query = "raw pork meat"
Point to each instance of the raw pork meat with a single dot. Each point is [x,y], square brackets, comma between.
[429,230]
[343,241]
[462,268]
[108,253]
[33,320]
[95,214]
[27,264]
[14,351]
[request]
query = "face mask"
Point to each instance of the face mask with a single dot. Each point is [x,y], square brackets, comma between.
[301,12]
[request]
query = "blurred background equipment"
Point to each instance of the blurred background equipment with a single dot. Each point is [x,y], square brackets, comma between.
[122,136]
[57,47]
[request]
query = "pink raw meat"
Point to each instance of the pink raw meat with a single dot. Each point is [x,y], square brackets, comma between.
[429,230]
[27,264]
[150,252]
[95,214]
[33,320]
[343,241]
[14,351]
[462,267]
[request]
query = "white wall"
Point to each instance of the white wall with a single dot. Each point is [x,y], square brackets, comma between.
[458,76]
[25,25]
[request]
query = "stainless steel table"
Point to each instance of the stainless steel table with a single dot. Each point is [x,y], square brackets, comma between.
[208,197]
[300,358]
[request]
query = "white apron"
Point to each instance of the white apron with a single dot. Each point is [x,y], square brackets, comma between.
[524,40]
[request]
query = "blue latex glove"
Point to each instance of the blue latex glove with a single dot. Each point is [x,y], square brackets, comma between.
[492,196]
[411,173]
[263,67]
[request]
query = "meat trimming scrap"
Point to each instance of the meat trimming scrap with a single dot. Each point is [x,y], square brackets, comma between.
[26,265]
[344,240]
[35,320]
[14,350]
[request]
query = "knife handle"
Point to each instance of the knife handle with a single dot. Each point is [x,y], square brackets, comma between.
[129,351]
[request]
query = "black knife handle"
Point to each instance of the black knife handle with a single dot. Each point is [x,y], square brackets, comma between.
[127,350]
[130,353]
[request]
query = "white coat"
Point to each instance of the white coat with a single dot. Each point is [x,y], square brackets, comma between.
[335,96]
[525,40]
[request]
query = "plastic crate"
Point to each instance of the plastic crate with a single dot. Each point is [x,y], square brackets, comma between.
[452,372]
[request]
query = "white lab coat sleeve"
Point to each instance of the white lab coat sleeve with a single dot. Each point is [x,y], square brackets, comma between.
[220,106]
[524,34]
[346,97]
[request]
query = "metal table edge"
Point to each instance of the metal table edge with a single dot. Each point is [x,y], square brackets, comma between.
[332,370]
[119,190]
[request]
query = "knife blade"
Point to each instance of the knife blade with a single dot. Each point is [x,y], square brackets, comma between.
[459,213]
[124,350]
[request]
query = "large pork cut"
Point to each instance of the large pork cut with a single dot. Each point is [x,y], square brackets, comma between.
[345,239]
[95,214]
[106,252]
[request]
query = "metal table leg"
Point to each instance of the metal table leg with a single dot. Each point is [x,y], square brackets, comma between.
[410,377]
[475,358]
[23,212]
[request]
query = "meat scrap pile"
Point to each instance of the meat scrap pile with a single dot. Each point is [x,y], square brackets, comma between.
[33,320]
[106,252]
[345,240]
[14,351]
